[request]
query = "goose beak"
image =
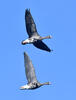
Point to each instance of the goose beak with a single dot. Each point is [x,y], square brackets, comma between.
[23,42]
[22,88]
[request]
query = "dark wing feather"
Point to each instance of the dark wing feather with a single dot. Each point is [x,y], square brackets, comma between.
[39,44]
[29,69]
[30,24]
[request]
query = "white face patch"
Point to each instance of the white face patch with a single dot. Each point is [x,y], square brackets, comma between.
[25,87]
[26,41]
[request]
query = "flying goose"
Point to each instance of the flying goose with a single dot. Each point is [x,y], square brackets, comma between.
[30,75]
[34,37]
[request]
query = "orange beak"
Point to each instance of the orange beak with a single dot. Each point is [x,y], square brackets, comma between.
[22,88]
[23,42]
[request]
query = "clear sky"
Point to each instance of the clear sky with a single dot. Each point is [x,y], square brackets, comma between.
[52,17]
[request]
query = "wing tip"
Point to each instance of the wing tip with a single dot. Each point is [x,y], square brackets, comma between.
[27,10]
[50,50]
[25,53]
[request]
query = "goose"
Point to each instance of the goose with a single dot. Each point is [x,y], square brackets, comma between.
[30,75]
[34,38]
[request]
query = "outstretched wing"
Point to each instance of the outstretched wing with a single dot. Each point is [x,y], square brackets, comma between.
[39,44]
[30,24]
[29,69]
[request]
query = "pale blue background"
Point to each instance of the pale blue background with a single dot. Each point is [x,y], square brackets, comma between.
[52,17]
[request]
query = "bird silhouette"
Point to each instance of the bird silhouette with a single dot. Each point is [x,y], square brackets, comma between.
[34,37]
[30,75]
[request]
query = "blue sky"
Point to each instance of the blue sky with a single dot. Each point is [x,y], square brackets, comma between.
[52,17]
